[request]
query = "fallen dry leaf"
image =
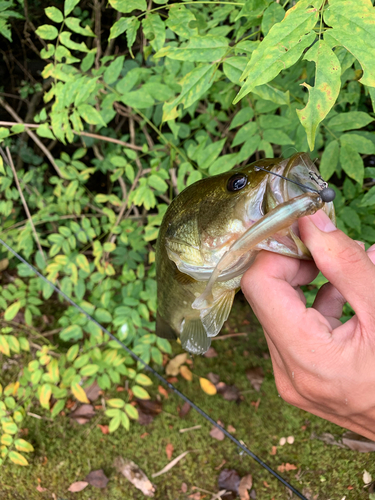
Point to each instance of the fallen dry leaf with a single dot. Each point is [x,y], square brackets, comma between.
[211,353]
[274,450]
[40,488]
[184,410]
[357,442]
[186,373]
[367,479]
[230,393]
[135,475]
[104,428]
[97,478]
[145,434]
[207,386]
[163,391]
[286,467]
[83,413]
[212,377]
[78,486]
[255,377]
[217,434]
[229,480]
[184,487]
[144,419]
[170,465]
[290,439]
[150,407]
[245,485]
[93,391]
[327,438]
[195,496]
[120,388]
[220,465]
[255,404]
[231,429]
[4,264]
[169,450]
[172,380]
[173,367]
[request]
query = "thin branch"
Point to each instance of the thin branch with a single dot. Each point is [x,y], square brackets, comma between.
[24,203]
[87,134]
[33,136]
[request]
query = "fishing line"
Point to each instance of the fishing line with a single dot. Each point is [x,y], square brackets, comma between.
[327,194]
[160,377]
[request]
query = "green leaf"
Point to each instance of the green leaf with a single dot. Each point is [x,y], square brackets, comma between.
[54,14]
[11,427]
[102,315]
[323,95]
[125,421]
[72,332]
[243,116]
[252,9]
[208,154]
[353,24]
[44,131]
[270,93]
[352,163]
[179,21]
[131,32]
[369,198]
[282,47]
[272,15]
[65,40]
[69,6]
[350,120]
[12,310]
[223,164]
[139,99]
[245,133]
[154,30]
[351,218]
[113,71]
[114,424]
[140,393]
[18,128]
[73,24]
[72,352]
[17,458]
[233,68]
[127,6]
[206,48]
[157,183]
[249,148]
[143,379]
[120,27]
[359,143]
[329,160]
[273,121]
[90,114]
[276,136]
[164,345]
[47,32]
[58,407]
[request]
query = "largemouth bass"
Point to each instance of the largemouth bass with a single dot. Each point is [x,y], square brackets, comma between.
[210,236]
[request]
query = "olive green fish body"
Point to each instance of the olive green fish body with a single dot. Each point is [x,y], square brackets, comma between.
[203,230]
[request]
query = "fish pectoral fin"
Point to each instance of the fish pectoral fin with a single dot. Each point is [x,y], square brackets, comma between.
[163,329]
[213,317]
[194,337]
[182,278]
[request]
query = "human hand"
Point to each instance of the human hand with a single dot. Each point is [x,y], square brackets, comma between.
[321,365]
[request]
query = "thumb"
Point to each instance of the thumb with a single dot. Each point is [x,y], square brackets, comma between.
[342,261]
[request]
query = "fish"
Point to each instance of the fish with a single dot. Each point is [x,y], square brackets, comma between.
[212,232]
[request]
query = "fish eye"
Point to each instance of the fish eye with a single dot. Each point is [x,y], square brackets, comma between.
[237,182]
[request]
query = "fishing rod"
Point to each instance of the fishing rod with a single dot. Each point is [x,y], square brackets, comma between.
[242,446]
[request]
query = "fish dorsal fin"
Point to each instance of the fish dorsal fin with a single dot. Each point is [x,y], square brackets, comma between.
[194,337]
[163,329]
[213,317]
[182,278]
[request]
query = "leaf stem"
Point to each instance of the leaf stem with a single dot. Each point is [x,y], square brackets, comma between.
[191,2]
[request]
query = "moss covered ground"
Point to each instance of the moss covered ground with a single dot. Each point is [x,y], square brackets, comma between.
[66,452]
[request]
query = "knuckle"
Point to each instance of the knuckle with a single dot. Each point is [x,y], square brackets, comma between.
[350,254]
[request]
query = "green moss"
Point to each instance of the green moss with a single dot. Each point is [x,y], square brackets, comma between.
[67,452]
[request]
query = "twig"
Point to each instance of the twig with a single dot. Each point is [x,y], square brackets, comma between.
[229,335]
[33,137]
[86,134]
[39,417]
[170,465]
[24,203]
[98,19]
[191,428]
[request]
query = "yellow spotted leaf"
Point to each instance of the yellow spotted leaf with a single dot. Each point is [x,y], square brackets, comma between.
[45,395]
[4,347]
[22,445]
[79,393]
[83,263]
[207,386]
[186,373]
[17,458]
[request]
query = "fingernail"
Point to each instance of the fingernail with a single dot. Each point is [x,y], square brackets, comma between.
[371,249]
[361,244]
[322,222]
